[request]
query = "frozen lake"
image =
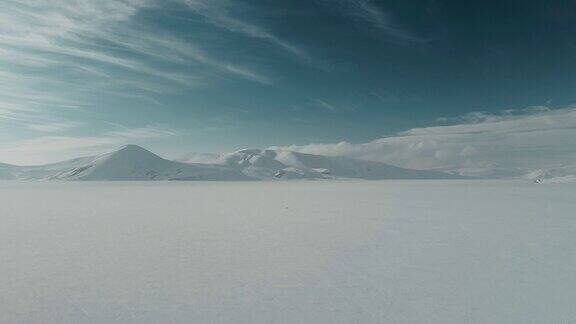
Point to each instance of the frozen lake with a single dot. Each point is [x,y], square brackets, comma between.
[288,252]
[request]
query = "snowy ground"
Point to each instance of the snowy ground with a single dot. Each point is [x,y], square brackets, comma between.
[288,252]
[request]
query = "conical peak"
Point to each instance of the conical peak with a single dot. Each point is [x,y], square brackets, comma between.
[132,147]
[133,151]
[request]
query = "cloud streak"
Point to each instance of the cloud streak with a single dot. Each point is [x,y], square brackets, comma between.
[366,11]
[58,55]
[218,12]
[331,107]
[77,29]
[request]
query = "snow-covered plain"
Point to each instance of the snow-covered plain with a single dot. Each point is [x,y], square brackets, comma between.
[397,251]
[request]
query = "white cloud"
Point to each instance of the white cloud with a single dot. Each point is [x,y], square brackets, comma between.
[484,143]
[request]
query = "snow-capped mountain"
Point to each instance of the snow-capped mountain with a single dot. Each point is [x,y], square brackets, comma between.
[135,163]
[129,163]
[278,164]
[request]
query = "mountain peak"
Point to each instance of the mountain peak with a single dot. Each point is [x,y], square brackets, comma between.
[130,153]
[132,147]
[133,151]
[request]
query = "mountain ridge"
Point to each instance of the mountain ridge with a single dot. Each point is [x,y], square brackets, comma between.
[134,163]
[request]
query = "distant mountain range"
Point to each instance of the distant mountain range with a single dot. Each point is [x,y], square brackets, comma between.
[136,163]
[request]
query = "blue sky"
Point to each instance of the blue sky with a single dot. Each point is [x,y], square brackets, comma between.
[80,76]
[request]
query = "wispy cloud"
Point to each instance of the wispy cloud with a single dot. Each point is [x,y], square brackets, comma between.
[478,143]
[143,133]
[327,106]
[78,29]
[54,127]
[368,12]
[332,107]
[28,101]
[55,54]
[219,13]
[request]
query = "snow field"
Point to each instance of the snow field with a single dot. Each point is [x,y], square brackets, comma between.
[434,251]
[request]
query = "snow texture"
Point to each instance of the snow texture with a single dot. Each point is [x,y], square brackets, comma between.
[410,251]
